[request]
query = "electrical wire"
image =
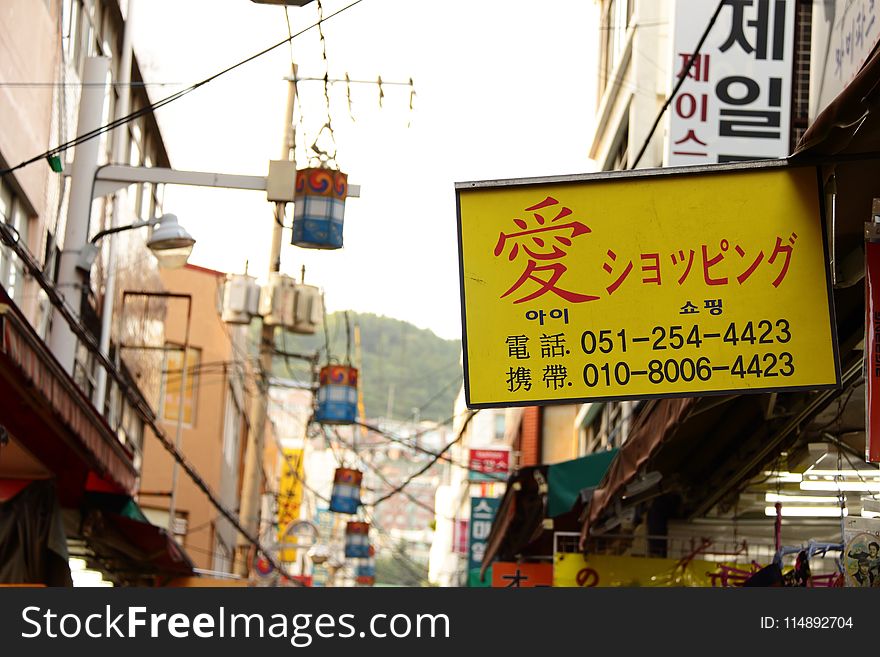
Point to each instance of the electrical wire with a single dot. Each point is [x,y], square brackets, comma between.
[148,109]
[137,402]
[413,445]
[424,469]
[680,82]
[435,397]
[415,569]
[374,468]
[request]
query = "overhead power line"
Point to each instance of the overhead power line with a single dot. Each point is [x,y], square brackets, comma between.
[138,404]
[375,469]
[427,467]
[414,445]
[680,82]
[167,100]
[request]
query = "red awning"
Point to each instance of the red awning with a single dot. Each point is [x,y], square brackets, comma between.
[46,412]
[134,550]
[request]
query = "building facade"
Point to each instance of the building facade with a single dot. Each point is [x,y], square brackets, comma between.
[214,423]
[64,449]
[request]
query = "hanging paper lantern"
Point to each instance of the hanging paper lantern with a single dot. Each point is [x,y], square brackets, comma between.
[319,208]
[346,495]
[365,573]
[337,395]
[357,540]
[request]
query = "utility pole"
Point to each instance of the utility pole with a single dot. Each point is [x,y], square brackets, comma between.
[120,144]
[389,407]
[62,341]
[252,483]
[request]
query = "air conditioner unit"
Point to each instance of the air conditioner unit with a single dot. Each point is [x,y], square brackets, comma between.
[241,297]
[309,310]
[278,301]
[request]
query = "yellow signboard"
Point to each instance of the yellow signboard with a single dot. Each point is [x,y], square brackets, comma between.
[616,286]
[575,570]
[290,494]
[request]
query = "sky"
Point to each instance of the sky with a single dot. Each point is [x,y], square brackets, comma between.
[504,89]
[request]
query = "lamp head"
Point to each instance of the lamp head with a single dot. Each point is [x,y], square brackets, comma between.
[170,242]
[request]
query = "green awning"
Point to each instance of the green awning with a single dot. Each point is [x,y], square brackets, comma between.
[567,479]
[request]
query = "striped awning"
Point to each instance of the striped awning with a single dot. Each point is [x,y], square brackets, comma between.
[47,413]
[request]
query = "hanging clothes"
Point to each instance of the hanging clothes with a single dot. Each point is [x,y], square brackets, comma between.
[33,546]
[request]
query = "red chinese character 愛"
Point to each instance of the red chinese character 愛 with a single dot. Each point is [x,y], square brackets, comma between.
[543,244]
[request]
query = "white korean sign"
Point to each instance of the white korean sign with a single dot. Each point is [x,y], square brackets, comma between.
[844,34]
[735,103]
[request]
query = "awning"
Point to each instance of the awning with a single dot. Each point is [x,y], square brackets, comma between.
[656,423]
[850,123]
[50,417]
[566,480]
[537,493]
[124,544]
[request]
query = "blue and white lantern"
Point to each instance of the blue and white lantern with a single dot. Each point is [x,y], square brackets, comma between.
[319,208]
[346,495]
[357,540]
[337,395]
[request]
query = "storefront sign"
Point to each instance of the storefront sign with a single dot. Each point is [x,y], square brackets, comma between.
[844,35]
[483,511]
[460,537]
[290,492]
[861,552]
[735,103]
[872,351]
[488,464]
[575,570]
[632,285]
[506,575]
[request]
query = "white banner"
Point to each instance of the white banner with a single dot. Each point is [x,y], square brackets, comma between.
[736,101]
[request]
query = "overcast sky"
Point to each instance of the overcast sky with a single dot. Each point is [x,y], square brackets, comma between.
[504,88]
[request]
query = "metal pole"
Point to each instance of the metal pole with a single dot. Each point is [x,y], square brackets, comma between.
[179,434]
[252,478]
[62,340]
[119,156]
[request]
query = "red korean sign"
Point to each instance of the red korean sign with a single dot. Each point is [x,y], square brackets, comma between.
[489,464]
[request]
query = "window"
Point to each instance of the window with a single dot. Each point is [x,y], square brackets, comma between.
[615,22]
[222,556]
[620,157]
[172,372]
[618,154]
[11,267]
[499,425]
[603,426]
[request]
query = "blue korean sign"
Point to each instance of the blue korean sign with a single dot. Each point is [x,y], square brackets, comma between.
[483,510]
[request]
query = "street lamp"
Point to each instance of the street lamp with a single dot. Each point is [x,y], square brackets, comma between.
[169,242]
